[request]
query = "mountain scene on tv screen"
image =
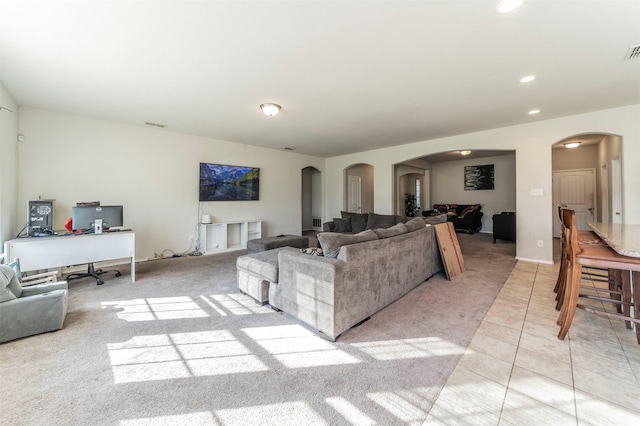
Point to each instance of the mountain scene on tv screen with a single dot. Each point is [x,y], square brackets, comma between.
[228,183]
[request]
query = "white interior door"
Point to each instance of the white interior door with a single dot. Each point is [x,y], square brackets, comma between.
[354,194]
[575,189]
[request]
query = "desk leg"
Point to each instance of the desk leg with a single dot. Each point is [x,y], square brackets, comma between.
[635,285]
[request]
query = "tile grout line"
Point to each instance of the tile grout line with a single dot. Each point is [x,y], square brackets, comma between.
[513,364]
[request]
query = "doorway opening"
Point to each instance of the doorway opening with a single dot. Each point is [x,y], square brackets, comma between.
[311,199]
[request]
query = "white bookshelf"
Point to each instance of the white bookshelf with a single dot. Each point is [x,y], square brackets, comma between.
[220,237]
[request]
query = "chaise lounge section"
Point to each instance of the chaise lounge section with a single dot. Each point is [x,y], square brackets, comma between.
[369,270]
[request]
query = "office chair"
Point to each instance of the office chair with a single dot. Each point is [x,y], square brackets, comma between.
[92,272]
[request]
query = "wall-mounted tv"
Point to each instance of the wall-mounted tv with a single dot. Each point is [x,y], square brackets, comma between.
[221,182]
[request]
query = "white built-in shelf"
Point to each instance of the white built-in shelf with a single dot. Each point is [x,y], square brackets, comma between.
[227,236]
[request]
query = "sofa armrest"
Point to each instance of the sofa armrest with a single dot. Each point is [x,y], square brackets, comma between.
[33,290]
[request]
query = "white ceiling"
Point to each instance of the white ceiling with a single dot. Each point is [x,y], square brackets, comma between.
[350,75]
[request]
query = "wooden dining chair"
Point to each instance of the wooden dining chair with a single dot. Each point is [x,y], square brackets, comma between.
[591,274]
[597,256]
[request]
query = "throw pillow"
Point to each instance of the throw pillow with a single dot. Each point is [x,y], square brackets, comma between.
[7,276]
[469,209]
[358,221]
[315,251]
[398,229]
[415,224]
[342,225]
[332,242]
[376,221]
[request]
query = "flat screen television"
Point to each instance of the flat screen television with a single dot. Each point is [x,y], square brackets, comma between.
[221,182]
[83,218]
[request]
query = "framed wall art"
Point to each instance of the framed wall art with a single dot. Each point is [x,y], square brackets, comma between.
[478,177]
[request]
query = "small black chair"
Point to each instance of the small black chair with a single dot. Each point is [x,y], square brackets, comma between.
[504,226]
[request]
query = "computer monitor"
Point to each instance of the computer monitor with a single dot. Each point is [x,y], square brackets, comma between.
[84,218]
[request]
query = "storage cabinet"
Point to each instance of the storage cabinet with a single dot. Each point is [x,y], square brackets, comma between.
[227,236]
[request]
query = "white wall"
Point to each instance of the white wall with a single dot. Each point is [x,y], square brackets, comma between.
[8,167]
[447,186]
[532,143]
[153,173]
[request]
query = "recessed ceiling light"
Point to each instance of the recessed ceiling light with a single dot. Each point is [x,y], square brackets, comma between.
[506,6]
[534,112]
[465,152]
[572,144]
[527,78]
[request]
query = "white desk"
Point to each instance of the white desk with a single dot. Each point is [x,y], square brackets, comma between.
[66,250]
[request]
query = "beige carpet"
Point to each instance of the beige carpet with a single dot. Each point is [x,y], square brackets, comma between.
[182,346]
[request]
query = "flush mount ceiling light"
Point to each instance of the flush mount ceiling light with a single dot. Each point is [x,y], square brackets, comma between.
[506,6]
[534,112]
[527,79]
[465,152]
[572,144]
[270,109]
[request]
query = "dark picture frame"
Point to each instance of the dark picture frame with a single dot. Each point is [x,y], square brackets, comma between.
[479,177]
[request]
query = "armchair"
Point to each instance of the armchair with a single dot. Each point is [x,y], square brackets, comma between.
[504,226]
[30,310]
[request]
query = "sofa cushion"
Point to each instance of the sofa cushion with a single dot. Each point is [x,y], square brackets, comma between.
[331,242]
[358,220]
[377,221]
[342,225]
[10,288]
[415,224]
[392,231]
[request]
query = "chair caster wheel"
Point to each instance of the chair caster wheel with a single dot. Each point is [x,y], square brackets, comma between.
[118,274]
[99,282]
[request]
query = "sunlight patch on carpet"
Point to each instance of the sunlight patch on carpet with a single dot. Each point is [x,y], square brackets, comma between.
[203,418]
[158,308]
[398,406]
[181,307]
[296,347]
[349,411]
[288,413]
[180,355]
[422,347]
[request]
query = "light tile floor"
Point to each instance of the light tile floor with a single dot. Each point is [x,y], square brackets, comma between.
[516,371]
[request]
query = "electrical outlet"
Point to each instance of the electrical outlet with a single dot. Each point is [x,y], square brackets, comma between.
[540,243]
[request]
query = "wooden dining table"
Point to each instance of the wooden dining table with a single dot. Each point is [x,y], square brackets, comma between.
[624,239]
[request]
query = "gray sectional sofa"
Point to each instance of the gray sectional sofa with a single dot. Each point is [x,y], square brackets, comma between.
[371,269]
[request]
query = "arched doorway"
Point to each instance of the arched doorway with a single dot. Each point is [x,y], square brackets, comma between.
[358,188]
[588,178]
[311,199]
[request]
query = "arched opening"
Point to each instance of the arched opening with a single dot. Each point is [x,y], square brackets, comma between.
[311,199]
[443,182]
[587,177]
